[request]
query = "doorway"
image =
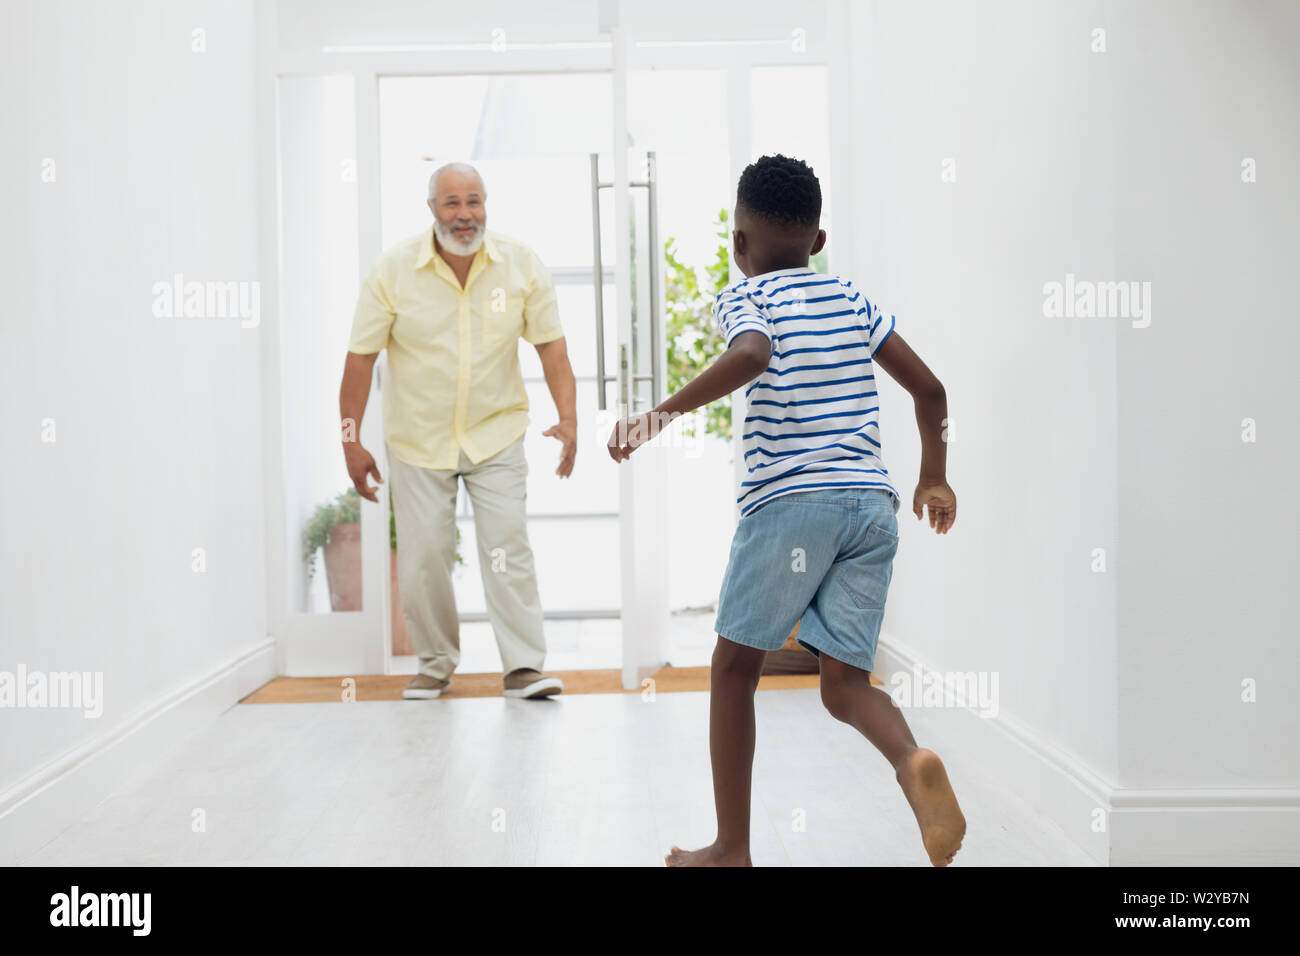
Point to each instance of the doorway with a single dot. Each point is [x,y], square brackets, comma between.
[629,557]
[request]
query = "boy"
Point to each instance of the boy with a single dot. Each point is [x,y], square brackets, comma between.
[817,535]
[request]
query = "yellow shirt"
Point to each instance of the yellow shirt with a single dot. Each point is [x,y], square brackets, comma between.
[453,376]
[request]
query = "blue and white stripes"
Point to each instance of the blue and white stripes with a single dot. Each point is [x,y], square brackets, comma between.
[812,418]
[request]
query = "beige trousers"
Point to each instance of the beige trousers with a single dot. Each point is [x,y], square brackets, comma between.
[424,506]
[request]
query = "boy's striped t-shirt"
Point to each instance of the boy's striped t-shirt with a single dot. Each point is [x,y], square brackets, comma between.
[813,415]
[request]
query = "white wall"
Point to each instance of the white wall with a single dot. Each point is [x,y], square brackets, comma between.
[962,265]
[1073,433]
[158,421]
[1208,556]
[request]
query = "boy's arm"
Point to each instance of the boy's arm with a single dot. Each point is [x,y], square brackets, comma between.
[896,357]
[743,361]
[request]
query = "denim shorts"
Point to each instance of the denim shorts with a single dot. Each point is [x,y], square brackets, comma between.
[821,558]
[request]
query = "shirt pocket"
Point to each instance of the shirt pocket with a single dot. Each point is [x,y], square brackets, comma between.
[502,315]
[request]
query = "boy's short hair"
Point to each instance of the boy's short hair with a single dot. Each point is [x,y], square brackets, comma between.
[781,190]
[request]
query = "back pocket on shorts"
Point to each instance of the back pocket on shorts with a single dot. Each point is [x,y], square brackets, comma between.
[866,577]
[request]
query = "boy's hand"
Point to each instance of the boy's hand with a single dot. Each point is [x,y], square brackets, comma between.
[631,433]
[942,502]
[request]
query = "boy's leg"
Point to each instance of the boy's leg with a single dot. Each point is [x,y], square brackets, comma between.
[848,696]
[733,679]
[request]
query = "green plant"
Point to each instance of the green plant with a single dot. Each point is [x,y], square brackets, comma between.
[346,508]
[693,339]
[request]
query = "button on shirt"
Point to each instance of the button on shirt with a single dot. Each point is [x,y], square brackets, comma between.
[453,378]
[813,415]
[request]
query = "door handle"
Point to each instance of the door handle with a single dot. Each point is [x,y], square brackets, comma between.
[598,281]
[656,329]
[627,376]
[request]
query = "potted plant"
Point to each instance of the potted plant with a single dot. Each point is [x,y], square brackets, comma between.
[335,530]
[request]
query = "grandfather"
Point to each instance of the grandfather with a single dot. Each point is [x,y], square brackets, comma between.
[450,304]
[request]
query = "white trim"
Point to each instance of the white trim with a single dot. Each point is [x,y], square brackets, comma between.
[844,173]
[372,632]
[740,134]
[1207,828]
[423,63]
[1199,799]
[53,797]
[268,266]
[1175,826]
[332,643]
[597,58]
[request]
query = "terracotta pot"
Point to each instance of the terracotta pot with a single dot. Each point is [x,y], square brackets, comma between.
[343,566]
[401,639]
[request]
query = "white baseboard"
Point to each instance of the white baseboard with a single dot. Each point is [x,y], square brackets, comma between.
[1186,827]
[1171,827]
[1051,781]
[45,802]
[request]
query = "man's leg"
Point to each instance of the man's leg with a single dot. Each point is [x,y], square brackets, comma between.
[498,488]
[424,507]
[733,679]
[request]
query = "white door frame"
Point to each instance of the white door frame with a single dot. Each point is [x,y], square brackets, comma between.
[361,642]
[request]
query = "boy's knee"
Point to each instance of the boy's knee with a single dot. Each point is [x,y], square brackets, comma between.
[737,660]
[834,697]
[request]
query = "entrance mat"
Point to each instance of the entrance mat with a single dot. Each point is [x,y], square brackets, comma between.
[367,687]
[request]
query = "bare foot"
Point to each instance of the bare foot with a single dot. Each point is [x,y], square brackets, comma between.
[711,855]
[925,784]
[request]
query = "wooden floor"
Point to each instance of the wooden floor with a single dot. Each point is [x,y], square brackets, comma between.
[595,779]
[373,687]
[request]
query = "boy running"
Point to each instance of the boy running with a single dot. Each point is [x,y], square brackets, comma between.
[818,530]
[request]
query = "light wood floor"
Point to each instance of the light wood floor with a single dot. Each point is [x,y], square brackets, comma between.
[581,779]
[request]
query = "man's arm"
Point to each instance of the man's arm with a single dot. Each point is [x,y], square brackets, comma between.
[354,393]
[564,392]
[896,357]
[744,361]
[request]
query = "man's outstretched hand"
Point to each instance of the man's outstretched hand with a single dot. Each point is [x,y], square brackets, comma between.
[567,434]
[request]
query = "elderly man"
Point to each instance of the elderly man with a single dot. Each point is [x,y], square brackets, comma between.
[450,304]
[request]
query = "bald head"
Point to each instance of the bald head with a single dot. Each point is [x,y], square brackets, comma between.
[452,177]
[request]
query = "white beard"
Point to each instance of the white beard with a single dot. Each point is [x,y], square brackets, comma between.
[454,245]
